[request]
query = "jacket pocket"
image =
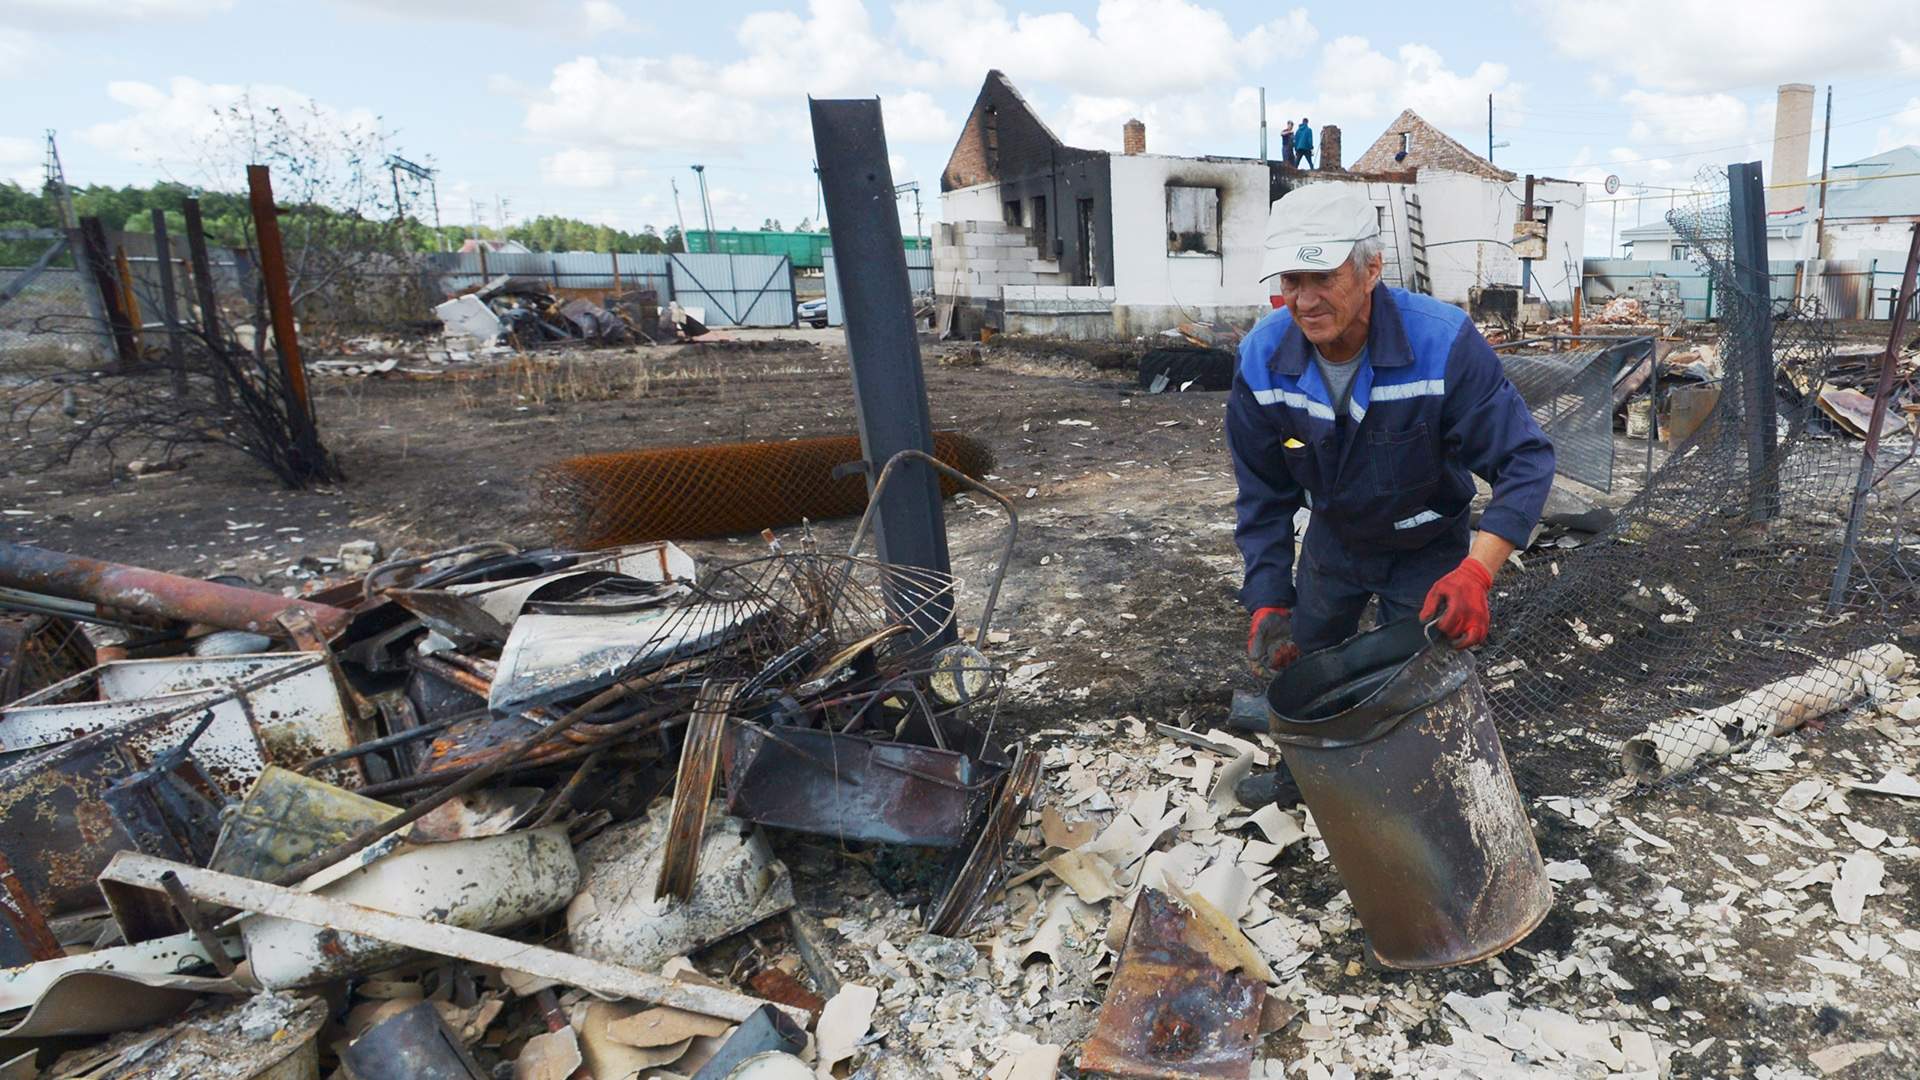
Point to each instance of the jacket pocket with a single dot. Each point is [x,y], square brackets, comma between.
[1404,461]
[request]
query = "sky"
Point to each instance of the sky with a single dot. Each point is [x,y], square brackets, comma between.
[596,109]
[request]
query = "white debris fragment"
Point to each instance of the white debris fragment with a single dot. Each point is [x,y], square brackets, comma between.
[1568,870]
[1860,877]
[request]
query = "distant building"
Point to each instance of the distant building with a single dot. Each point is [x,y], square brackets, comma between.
[1041,237]
[498,247]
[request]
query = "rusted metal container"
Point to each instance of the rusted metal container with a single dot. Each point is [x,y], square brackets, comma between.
[1396,754]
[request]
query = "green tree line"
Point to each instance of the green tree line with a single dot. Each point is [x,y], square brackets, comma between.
[228,222]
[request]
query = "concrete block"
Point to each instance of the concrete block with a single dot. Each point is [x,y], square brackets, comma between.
[981,253]
[1016,292]
[1106,292]
[1019,278]
[1044,266]
[988,228]
[1050,292]
[1012,238]
[1084,292]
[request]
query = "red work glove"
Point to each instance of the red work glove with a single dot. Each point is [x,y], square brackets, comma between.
[1270,644]
[1460,599]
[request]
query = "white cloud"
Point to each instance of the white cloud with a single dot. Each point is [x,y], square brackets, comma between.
[1693,45]
[179,124]
[643,105]
[20,161]
[830,51]
[1133,47]
[1358,81]
[99,14]
[915,117]
[504,12]
[602,16]
[1686,118]
[21,53]
[1902,129]
[579,167]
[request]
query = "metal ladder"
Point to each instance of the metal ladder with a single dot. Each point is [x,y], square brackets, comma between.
[1421,282]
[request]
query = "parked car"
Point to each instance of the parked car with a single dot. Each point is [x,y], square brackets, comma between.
[812,312]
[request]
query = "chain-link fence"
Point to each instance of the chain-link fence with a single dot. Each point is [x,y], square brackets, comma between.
[1701,620]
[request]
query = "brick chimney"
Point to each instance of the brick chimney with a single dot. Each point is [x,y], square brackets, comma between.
[1330,147]
[1133,137]
[1792,141]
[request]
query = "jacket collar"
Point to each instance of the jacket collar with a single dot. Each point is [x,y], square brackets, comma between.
[1386,339]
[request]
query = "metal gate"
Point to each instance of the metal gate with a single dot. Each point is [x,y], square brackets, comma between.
[735,290]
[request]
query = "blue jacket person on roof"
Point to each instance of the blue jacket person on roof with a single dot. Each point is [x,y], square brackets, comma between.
[1373,408]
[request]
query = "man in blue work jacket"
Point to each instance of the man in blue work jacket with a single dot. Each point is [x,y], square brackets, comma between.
[1372,408]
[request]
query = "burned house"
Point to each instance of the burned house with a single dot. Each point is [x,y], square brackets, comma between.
[1040,237]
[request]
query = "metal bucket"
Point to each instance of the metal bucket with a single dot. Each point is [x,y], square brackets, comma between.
[1390,740]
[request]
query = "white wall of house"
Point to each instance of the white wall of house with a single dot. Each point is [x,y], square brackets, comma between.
[1155,290]
[981,202]
[1469,230]
[1855,239]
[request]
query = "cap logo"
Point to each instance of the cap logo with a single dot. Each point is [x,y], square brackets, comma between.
[1311,254]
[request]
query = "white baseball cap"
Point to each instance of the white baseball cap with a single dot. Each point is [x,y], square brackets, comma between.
[1314,228]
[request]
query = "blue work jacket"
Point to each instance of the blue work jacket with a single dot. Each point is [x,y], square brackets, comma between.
[1303,138]
[1431,406]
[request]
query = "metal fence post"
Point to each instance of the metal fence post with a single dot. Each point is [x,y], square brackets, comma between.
[889,387]
[209,306]
[1870,451]
[169,301]
[1748,213]
[273,268]
[99,265]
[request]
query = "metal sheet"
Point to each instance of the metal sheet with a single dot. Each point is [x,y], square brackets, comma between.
[134,870]
[285,818]
[292,714]
[855,788]
[919,280]
[550,657]
[414,1045]
[490,883]
[735,290]
[1170,1011]
[21,986]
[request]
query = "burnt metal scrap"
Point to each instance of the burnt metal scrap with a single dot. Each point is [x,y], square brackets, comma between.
[454,757]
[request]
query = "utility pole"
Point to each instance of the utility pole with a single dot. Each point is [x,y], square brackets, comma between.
[706,205]
[1820,219]
[397,165]
[1489,127]
[1526,265]
[914,187]
[1263,123]
[678,215]
[56,188]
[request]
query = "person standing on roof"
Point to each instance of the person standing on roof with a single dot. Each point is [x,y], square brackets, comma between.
[1303,145]
[1373,408]
[1286,144]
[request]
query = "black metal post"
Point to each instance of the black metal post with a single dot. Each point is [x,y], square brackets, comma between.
[209,304]
[93,237]
[1889,361]
[1753,349]
[169,301]
[889,387]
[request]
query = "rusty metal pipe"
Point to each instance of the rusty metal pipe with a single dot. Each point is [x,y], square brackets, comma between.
[151,592]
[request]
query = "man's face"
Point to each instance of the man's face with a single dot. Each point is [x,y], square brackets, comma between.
[1327,303]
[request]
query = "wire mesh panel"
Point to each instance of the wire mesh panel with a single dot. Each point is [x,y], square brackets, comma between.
[691,492]
[1571,395]
[1700,621]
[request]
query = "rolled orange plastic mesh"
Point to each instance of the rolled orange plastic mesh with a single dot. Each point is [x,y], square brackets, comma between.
[692,492]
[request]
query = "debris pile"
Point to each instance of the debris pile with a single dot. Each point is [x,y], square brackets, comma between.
[483,810]
[522,313]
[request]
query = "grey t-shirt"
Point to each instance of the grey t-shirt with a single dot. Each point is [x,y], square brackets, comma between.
[1339,378]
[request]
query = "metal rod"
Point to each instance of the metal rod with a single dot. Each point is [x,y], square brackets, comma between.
[1863,482]
[1820,219]
[151,592]
[366,838]
[209,306]
[169,300]
[190,914]
[273,269]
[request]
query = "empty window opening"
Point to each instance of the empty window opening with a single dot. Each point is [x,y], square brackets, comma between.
[1193,220]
